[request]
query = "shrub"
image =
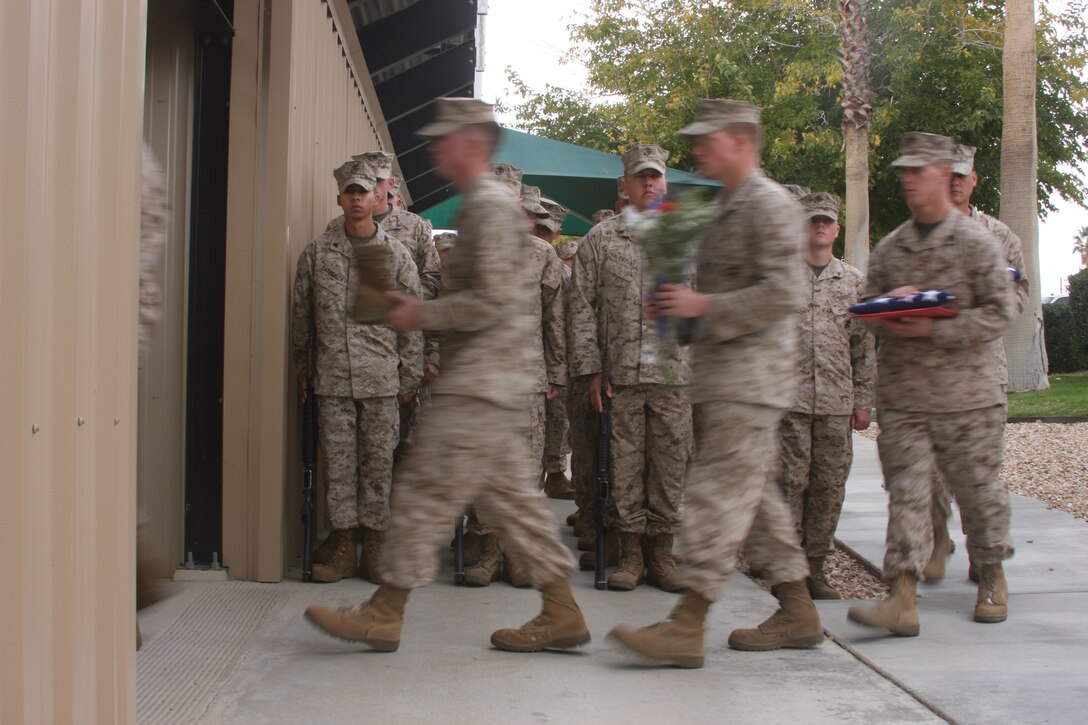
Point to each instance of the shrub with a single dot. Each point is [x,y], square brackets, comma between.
[1066,328]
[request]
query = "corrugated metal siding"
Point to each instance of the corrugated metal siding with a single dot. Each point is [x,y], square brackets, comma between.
[161,433]
[292,75]
[71,80]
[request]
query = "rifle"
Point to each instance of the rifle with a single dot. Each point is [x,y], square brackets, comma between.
[309,455]
[459,551]
[604,455]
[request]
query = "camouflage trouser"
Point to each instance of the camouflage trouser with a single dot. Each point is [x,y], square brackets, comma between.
[470,451]
[733,499]
[537,417]
[583,444]
[557,433]
[817,451]
[651,441]
[965,447]
[357,438]
[942,493]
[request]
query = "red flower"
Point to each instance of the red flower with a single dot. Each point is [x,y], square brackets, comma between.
[668,206]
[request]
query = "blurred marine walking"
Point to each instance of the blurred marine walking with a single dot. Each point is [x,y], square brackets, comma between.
[485,328]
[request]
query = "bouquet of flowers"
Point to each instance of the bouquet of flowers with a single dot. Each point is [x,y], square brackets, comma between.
[666,235]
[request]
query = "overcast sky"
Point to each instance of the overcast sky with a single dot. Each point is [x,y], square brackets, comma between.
[532,38]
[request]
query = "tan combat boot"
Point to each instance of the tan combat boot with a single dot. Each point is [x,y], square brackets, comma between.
[342,563]
[574,518]
[559,625]
[370,564]
[818,585]
[795,625]
[557,485]
[942,549]
[323,553]
[898,613]
[376,624]
[629,572]
[516,575]
[678,640]
[588,560]
[486,569]
[992,605]
[661,566]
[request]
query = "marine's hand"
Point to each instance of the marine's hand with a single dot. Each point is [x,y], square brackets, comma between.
[430,372]
[860,419]
[553,392]
[302,388]
[405,313]
[405,398]
[907,291]
[679,301]
[595,392]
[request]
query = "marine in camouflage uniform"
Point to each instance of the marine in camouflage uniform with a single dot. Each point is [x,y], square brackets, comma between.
[837,364]
[651,412]
[940,392]
[557,443]
[548,356]
[748,288]
[964,180]
[485,325]
[414,232]
[358,372]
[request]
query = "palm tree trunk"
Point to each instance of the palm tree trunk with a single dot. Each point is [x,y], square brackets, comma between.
[854,17]
[1025,347]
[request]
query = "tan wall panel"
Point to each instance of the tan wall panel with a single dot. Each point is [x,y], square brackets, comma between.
[168,129]
[71,79]
[290,74]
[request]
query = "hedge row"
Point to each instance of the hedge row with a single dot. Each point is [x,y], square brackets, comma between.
[1066,328]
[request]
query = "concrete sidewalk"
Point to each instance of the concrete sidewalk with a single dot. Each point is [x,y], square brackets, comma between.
[1032,668]
[239,652]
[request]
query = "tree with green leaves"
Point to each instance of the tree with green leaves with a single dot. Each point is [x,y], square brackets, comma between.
[1080,245]
[935,65]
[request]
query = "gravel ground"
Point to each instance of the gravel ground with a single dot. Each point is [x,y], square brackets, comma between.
[843,572]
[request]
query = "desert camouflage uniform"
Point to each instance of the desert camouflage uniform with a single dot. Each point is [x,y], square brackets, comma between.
[550,343]
[358,371]
[557,410]
[838,361]
[651,412]
[1013,252]
[414,232]
[485,326]
[941,399]
[745,377]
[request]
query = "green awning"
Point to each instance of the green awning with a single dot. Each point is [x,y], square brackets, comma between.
[581,179]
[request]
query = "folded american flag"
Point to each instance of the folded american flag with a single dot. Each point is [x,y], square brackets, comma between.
[927,304]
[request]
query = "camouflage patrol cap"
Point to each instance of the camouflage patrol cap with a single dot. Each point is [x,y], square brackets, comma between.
[644,156]
[453,114]
[798,192]
[620,192]
[820,203]
[352,172]
[964,162]
[556,213]
[444,242]
[509,175]
[716,113]
[918,149]
[601,214]
[378,163]
[567,249]
[530,201]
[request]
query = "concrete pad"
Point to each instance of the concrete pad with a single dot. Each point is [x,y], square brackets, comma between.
[285,671]
[1029,669]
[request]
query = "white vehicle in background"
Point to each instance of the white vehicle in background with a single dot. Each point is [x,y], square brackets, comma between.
[1056,299]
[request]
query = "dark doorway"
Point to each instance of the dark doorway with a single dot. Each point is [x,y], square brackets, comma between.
[207,262]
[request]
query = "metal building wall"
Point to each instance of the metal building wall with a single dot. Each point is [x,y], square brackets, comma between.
[161,401]
[296,113]
[71,80]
